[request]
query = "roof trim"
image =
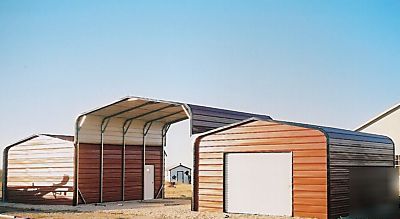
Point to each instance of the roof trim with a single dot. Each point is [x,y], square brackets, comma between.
[62,137]
[22,141]
[323,129]
[128,98]
[223,128]
[180,165]
[186,107]
[378,117]
[35,136]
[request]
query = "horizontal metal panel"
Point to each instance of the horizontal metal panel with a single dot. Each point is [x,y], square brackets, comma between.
[38,167]
[208,118]
[350,150]
[309,160]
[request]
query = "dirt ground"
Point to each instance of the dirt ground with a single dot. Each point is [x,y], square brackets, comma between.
[167,208]
[176,205]
[181,191]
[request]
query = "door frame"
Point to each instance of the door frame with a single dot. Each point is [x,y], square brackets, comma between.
[248,152]
[183,176]
[145,186]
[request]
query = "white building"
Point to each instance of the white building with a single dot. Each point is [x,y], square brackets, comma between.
[180,174]
[387,123]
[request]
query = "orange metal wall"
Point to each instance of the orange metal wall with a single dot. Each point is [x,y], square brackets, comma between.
[309,149]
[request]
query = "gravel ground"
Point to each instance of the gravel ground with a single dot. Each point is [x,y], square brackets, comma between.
[171,208]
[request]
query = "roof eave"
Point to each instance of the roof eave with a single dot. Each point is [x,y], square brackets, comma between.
[378,117]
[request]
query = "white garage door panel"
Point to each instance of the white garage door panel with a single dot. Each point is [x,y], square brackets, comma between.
[258,183]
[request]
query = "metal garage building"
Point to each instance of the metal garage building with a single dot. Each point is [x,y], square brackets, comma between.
[282,168]
[39,170]
[117,151]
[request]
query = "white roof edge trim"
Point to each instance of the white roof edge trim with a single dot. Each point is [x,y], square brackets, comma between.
[179,165]
[378,117]
[30,137]
[128,98]
[21,141]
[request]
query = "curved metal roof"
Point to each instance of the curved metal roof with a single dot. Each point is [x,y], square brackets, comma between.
[328,131]
[130,114]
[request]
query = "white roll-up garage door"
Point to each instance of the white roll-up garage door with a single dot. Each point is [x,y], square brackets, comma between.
[258,183]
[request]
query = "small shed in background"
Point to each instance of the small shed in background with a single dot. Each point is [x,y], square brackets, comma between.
[283,168]
[180,174]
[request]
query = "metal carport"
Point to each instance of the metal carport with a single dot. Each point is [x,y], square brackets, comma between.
[144,122]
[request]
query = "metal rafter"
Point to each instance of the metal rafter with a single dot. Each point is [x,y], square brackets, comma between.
[130,109]
[164,131]
[165,116]
[148,113]
[125,129]
[104,124]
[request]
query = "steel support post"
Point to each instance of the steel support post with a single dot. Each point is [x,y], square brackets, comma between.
[104,124]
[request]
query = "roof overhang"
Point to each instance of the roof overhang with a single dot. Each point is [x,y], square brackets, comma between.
[137,108]
[127,119]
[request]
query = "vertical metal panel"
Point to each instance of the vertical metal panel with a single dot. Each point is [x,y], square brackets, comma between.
[112,173]
[89,174]
[133,172]
[154,157]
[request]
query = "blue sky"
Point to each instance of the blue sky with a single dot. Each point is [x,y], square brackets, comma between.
[333,63]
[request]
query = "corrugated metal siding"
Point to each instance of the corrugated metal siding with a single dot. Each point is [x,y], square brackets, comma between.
[40,171]
[309,163]
[351,149]
[154,157]
[134,170]
[133,173]
[112,180]
[207,118]
[89,171]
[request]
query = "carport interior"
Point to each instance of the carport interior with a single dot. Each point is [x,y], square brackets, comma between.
[115,142]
